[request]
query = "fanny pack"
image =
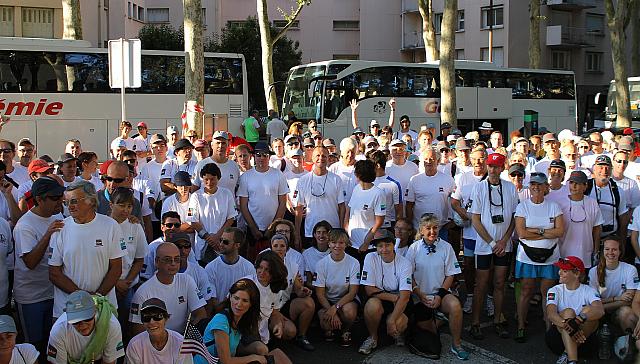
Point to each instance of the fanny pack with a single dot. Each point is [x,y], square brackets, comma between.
[538,255]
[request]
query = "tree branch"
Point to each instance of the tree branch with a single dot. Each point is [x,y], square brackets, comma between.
[291,18]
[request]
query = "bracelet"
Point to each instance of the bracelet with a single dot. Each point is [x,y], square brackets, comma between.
[203,234]
[442,292]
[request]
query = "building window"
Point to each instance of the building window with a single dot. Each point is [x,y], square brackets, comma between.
[492,17]
[595,24]
[498,55]
[204,17]
[593,62]
[459,53]
[158,15]
[346,25]
[282,23]
[140,15]
[560,60]
[437,22]
[37,22]
[351,57]
[6,21]
[129,9]
[460,25]
[236,23]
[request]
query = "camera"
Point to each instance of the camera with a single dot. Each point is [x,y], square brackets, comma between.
[607,228]
[497,219]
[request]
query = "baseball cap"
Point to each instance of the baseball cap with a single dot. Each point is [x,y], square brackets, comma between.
[38,166]
[155,138]
[383,236]
[329,142]
[549,137]
[517,168]
[154,303]
[451,138]
[578,177]
[308,142]
[538,177]
[46,158]
[200,143]
[603,159]
[374,122]
[570,263]
[66,157]
[104,166]
[558,163]
[566,134]
[46,186]
[182,178]
[496,159]
[357,131]
[442,145]
[262,147]
[178,236]
[520,140]
[221,134]
[181,144]
[461,144]
[172,130]
[7,324]
[395,142]
[79,307]
[295,153]
[456,132]
[25,141]
[627,131]
[486,126]
[291,138]
[142,124]
[445,125]
[368,140]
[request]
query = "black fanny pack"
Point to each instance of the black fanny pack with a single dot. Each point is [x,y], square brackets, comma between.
[538,255]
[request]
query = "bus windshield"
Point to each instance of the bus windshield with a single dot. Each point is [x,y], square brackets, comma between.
[634,97]
[303,95]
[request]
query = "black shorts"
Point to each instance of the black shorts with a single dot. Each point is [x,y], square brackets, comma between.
[483,262]
[388,307]
[553,339]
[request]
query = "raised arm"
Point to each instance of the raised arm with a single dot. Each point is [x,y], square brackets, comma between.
[392,114]
[354,113]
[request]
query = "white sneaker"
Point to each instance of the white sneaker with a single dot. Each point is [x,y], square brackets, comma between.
[368,346]
[468,304]
[563,359]
[489,307]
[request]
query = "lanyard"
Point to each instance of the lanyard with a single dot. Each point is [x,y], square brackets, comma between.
[491,204]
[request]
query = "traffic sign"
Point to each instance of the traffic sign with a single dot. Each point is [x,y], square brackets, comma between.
[124,62]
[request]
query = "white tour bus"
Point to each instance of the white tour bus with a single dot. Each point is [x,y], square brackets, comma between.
[484,92]
[611,110]
[54,90]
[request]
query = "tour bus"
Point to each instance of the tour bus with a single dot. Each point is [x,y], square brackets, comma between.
[54,90]
[484,92]
[611,110]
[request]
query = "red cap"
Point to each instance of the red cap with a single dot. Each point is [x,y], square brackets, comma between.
[570,263]
[496,159]
[104,166]
[39,166]
[142,124]
[627,131]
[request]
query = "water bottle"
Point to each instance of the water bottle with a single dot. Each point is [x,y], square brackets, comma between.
[604,346]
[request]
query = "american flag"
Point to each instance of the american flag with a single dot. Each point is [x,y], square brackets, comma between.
[193,344]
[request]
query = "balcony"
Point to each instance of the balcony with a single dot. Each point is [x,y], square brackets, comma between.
[409,6]
[571,5]
[564,37]
[412,40]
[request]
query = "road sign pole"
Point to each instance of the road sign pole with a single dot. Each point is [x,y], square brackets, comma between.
[122,88]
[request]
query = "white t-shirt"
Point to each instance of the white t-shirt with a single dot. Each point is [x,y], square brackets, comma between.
[391,277]
[31,286]
[6,249]
[229,172]
[66,343]
[402,174]
[321,196]
[201,279]
[83,251]
[171,166]
[311,258]
[141,351]
[564,298]
[128,141]
[349,180]
[181,297]
[465,183]
[364,206]
[292,182]
[24,354]
[151,172]
[580,217]
[631,191]
[223,275]
[557,195]
[392,192]
[539,216]
[430,194]
[268,301]
[263,190]
[606,201]
[292,272]
[136,246]
[337,277]
[20,175]
[616,281]
[212,211]
[431,269]
[276,128]
[487,204]
[171,203]
[635,226]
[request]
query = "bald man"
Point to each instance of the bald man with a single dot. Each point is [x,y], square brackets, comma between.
[178,290]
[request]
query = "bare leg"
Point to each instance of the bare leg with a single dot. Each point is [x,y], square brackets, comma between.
[499,279]
[570,346]
[527,289]
[451,306]
[373,312]
[280,357]
[482,281]
[301,311]
[348,314]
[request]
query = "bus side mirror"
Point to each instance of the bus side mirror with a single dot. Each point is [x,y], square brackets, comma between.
[596,100]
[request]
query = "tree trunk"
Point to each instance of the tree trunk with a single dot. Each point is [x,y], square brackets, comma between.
[534,34]
[72,29]
[635,38]
[428,30]
[267,54]
[194,64]
[615,23]
[447,63]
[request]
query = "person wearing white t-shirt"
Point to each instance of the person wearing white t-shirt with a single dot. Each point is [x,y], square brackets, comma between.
[214,209]
[573,310]
[15,353]
[293,174]
[344,167]
[179,202]
[151,172]
[229,170]
[614,206]
[390,187]
[366,209]
[557,189]
[320,195]
[617,284]
[387,280]
[630,187]
[87,252]
[398,167]
[434,266]
[429,192]
[271,279]
[199,275]
[177,290]
[123,138]
[494,202]
[551,147]
[319,249]
[583,221]
[183,150]
[539,224]
[276,128]
[336,284]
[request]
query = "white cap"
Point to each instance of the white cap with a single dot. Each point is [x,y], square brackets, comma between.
[566,134]
[451,138]
[607,135]
[172,130]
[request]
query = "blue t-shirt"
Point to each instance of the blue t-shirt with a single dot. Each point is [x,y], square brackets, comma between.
[219,322]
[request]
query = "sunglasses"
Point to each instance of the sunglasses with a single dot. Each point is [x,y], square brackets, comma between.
[283,231]
[183,246]
[171,225]
[130,161]
[83,321]
[261,155]
[226,241]
[293,143]
[154,317]
[516,174]
[621,161]
[115,180]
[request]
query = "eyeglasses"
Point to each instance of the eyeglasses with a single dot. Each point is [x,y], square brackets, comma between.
[183,246]
[308,146]
[154,317]
[83,321]
[293,143]
[261,155]
[226,241]
[113,179]
[579,219]
[130,161]
[517,174]
[171,225]
[73,201]
[283,232]
[317,137]
[621,161]
[6,150]
[169,260]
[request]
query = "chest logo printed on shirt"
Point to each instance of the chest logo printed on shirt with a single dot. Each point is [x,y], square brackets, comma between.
[409,280]
[365,207]
[51,351]
[181,299]
[551,296]
[123,244]
[636,279]
[347,279]
[551,219]
[190,211]
[440,189]
[295,194]
[99,242]
[135,308]
[364,275]
[383,207]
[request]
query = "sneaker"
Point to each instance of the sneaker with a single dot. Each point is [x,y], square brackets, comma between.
[489,307]
[521,336]
[501,330]
[563,359]
[400,340]
[328,336]
[368,346]
[468,304]
[460,353]
[304,343]
[475,333]
[345,339]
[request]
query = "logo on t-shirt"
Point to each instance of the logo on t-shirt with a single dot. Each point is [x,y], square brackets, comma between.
[383,207]
[190,211]
[347,279]
[456,264]
[315,276]
[181,298]
[364,275]
[295,193]
[440,189]
[123,245]
[50,252]
[406,192]
[636,279]
[120,346]
[51,351]
[408,280]
[624,286]
[365,207]
[551,296]
[200,295]
[551,219]
[231,176]
[135,308]
[162,171]
[98,242]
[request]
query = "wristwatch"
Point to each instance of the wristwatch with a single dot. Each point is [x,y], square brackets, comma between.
[540,232]
[582,317]
[338,306]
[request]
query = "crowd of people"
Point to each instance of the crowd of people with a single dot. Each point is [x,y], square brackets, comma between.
[241,244]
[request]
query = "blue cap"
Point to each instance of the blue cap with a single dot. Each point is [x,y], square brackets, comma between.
[182,178]
[7,324]
[80,307]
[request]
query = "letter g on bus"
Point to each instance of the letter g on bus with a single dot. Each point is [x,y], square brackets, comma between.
[432,107]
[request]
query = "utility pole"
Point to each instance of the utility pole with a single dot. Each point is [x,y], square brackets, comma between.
[490,17]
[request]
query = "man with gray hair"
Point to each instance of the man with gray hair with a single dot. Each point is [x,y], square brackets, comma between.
[86,254]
